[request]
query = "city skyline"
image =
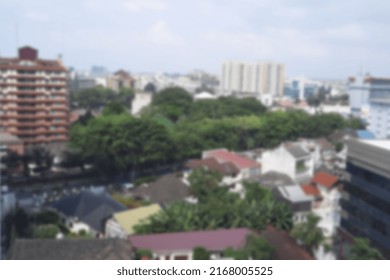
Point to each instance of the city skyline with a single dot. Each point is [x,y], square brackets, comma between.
[154,35]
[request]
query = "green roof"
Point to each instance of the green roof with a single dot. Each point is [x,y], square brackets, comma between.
[129,218]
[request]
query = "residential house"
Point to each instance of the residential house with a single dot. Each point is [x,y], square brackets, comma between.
[326,191]
[87,210]
[233,167]
[296,199]
[292,159]
[180,245]
[248,168]
[121,225]
[166,190]
[71,249]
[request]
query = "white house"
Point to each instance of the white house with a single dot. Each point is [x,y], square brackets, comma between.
[292,159]
[297,200]
[325,189]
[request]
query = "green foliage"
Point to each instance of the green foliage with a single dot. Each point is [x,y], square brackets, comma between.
[203,182]
[120,143]
[129,202]
[172,103]
[256,248]
[99,96]
[114,108]
[339,146]
[219,208]
[46,231]
[46,217]
[200,253]
[143,253]
[308,233]
[237,254]
[362,250]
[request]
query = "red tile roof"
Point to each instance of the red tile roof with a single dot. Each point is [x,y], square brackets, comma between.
[240,162]
[214,240]
[226,168]
[325,179]
[310,190]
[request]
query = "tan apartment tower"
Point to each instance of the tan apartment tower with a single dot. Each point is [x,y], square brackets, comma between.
[34,98]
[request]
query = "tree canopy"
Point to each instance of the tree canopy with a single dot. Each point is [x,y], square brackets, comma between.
[362,250]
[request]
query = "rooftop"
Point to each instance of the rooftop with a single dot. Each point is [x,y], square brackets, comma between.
[286,248]
[226,168]
[294,193]
[71,249]
[223,155]
[310,189]
[325,179]
[165,190]
[129,218]
[93,208]
[383,144]
[296,150]
[216,240]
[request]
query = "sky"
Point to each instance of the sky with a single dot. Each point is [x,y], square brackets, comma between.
[329,39]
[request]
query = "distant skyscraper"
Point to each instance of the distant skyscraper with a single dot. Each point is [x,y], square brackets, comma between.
[256,78]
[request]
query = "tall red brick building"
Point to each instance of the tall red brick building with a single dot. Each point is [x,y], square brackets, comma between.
[34,98]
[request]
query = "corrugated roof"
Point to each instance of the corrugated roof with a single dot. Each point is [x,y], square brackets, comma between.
[214,240]
[128,219]
[294,194]
[226,168]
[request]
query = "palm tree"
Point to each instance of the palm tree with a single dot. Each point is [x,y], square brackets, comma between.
[282,217]
[362,250]
[309,234]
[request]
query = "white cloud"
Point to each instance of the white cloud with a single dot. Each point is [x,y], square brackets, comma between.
[138,5]
[160,34]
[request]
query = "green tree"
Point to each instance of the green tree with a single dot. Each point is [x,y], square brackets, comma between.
[119,143]
[143,254]
[257,248]
[46,231]
[200,253]
[308,233]
[114,108]
[172,103]
[203,181]
[362,250]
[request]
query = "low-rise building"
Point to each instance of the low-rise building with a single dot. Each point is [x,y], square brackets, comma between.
[296,199]
[121,225]
[88,210]
[71,249]
[326,192]
[292,159]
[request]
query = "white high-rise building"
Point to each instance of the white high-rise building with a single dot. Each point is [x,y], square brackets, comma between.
[252,78]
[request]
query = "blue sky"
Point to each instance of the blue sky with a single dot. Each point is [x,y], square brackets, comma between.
[320,39]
